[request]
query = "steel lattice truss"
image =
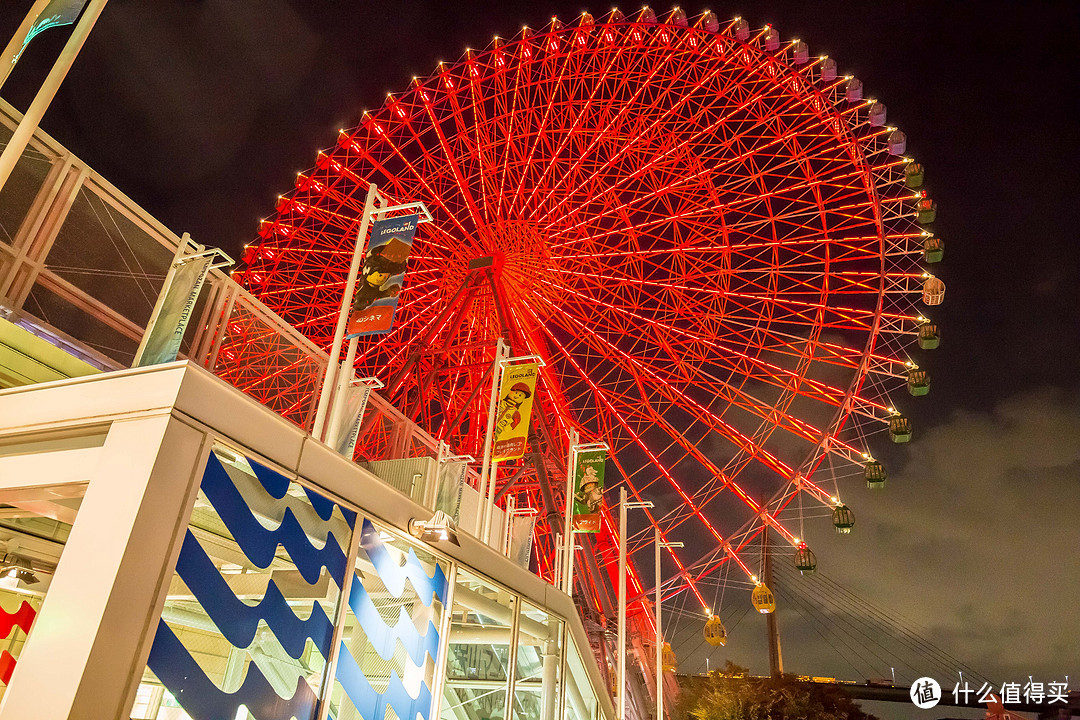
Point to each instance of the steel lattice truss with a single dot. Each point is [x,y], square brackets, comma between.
[705,235]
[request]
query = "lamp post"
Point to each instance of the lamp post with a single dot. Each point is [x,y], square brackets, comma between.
[568,539]
[502,354]
[659,634]
[330,376]
[620,708]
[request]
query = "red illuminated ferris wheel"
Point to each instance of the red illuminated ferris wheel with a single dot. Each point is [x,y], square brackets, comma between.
[710,237]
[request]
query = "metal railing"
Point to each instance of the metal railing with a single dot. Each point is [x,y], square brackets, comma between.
[81,265]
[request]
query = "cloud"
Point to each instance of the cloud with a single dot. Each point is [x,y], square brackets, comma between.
[976,538]
[973,545]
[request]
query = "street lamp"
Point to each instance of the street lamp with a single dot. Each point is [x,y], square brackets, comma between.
[568,530]
[659,634]
[623,507]
[440,527]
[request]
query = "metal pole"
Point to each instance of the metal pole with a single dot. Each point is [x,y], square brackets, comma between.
[776,660]
[620,708]
[508,526]
[29,123]
[489,501]
[346,372]
[343,316]
[15,45]
[549,694]
[559,565]
[502,351]
[568,522]
[659,638]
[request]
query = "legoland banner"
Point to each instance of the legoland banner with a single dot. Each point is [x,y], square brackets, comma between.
[515,409]
[380,281]
[589,490]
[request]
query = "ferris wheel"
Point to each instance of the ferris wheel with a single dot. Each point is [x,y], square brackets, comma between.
[711,238]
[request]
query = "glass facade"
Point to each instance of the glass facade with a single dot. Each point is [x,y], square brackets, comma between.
[286,603]
[537,673]
[393,624]
[579,698]
[479,657]
[249,617]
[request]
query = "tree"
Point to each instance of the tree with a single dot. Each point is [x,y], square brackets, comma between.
[732,694]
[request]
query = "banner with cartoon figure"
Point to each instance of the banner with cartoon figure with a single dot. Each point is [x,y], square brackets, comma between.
[589,490]
[514,411]
[382,276]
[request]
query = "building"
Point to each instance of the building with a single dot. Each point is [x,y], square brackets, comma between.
[177,545]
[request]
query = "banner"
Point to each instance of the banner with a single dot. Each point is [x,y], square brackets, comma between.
[352,412]
[589,490]
[514,412]
[452,476]
[55,14]
[166,328]
[380,281]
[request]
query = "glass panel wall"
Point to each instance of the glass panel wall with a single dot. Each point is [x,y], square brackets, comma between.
[580,700]
[19,192]
[479,657]
[539,661]
[386,663]
[114,260]
[249,617]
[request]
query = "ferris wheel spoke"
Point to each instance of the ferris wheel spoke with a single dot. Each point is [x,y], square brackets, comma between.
[724,91]
[710,216]
[549,108]
[771,412]
[512,116]
[601,395]
[733,162]
[721,477]
[405,327]
[767,369]
[845,314]
[423,187]
[621,421]
[607,66]
[713,422]
[476,153]
[646,82]
[669,387]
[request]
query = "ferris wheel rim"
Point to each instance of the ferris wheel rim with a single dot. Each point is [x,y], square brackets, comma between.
[852,389]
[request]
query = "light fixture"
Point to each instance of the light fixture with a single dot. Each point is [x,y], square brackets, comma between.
[440,527]
[18,567]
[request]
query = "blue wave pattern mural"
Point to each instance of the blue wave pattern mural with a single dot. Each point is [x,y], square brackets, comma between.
[272,624]
[390,645]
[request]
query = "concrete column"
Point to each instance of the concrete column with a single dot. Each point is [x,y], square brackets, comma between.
[89,643]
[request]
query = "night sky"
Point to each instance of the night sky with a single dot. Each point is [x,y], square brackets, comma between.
[203,112]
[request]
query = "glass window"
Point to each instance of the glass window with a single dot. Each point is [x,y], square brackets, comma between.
[387,659]
[478,661]
[101,251]
[539,661]
[249,616]
[34,528]
[580,699]
[19,192]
